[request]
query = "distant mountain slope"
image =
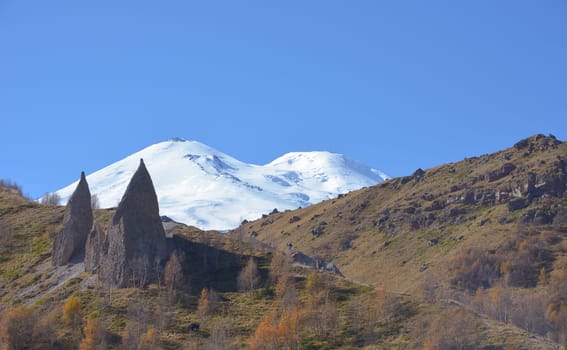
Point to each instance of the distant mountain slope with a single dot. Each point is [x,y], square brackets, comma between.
[200,186]
[390,234]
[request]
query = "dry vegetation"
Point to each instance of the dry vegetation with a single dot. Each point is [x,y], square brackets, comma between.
[427,266]
[474,232]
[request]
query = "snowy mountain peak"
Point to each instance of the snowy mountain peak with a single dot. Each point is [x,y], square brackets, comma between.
[201,186]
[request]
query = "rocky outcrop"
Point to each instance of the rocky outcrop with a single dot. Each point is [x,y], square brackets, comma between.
[97,247]
[302,259]
[135,242]
[77,222]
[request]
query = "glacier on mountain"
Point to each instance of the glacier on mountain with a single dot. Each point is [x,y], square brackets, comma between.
[200,186]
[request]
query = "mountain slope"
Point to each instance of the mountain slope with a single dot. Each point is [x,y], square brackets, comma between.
[203,187]
[352,316]
[488,232]
[380,234]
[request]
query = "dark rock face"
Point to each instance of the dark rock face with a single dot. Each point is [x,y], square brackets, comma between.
[505,170]
[96,248]
[77,222]
[135,237]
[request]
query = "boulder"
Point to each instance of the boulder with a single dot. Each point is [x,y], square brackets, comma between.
[517,204]
[77,222]
[135,239]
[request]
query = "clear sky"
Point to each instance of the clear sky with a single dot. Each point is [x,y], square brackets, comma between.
[397,85]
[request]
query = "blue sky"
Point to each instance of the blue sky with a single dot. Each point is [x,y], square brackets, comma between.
[395,84]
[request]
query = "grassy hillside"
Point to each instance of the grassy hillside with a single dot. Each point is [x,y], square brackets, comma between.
[63,307]
[494,221]
[468,255]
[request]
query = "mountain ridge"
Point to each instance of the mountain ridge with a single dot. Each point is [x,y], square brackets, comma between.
[201,186]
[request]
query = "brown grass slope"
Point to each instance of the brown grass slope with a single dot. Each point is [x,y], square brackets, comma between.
[380,235]
[211,260]
[419,238]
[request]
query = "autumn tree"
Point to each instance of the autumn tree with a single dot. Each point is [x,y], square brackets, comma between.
[72,312]
[556,312]
[280,266]
[274,333]
[17,327]
[149,340]
[94,335]
[314,283]
[44,332]
[220,338]
[528,311]
[286,293]
[321,314]
[249,278]
[474,267]
[208,301]
[542,278]
[266,335]
[499,304]
[288,329]
[173,273]
[138,316]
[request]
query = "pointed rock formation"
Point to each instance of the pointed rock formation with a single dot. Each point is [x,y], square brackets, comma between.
[135,241]
[77,222]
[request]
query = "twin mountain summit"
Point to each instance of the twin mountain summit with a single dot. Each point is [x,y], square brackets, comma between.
[202,187]
[135,238]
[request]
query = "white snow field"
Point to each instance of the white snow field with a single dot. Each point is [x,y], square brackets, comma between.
[200,186]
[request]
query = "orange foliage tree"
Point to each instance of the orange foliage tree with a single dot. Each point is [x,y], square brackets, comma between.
[207,302]
[277,333]
[17,327]
[94,336]
[72,312]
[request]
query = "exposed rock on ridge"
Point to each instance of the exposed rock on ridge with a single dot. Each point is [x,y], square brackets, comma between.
[134,246]
[97,247]
[77,222]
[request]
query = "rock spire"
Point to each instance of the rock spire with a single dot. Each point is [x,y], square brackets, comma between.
[134,244]
[77,223]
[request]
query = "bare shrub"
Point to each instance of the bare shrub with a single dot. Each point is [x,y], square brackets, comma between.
[95,203]
[474,267]
[249,278]
[220,338]
[50,199]
[529,312]
[280,266]
[5,183]
[453,329]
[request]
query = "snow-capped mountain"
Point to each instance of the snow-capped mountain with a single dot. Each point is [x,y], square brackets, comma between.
[200,186]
